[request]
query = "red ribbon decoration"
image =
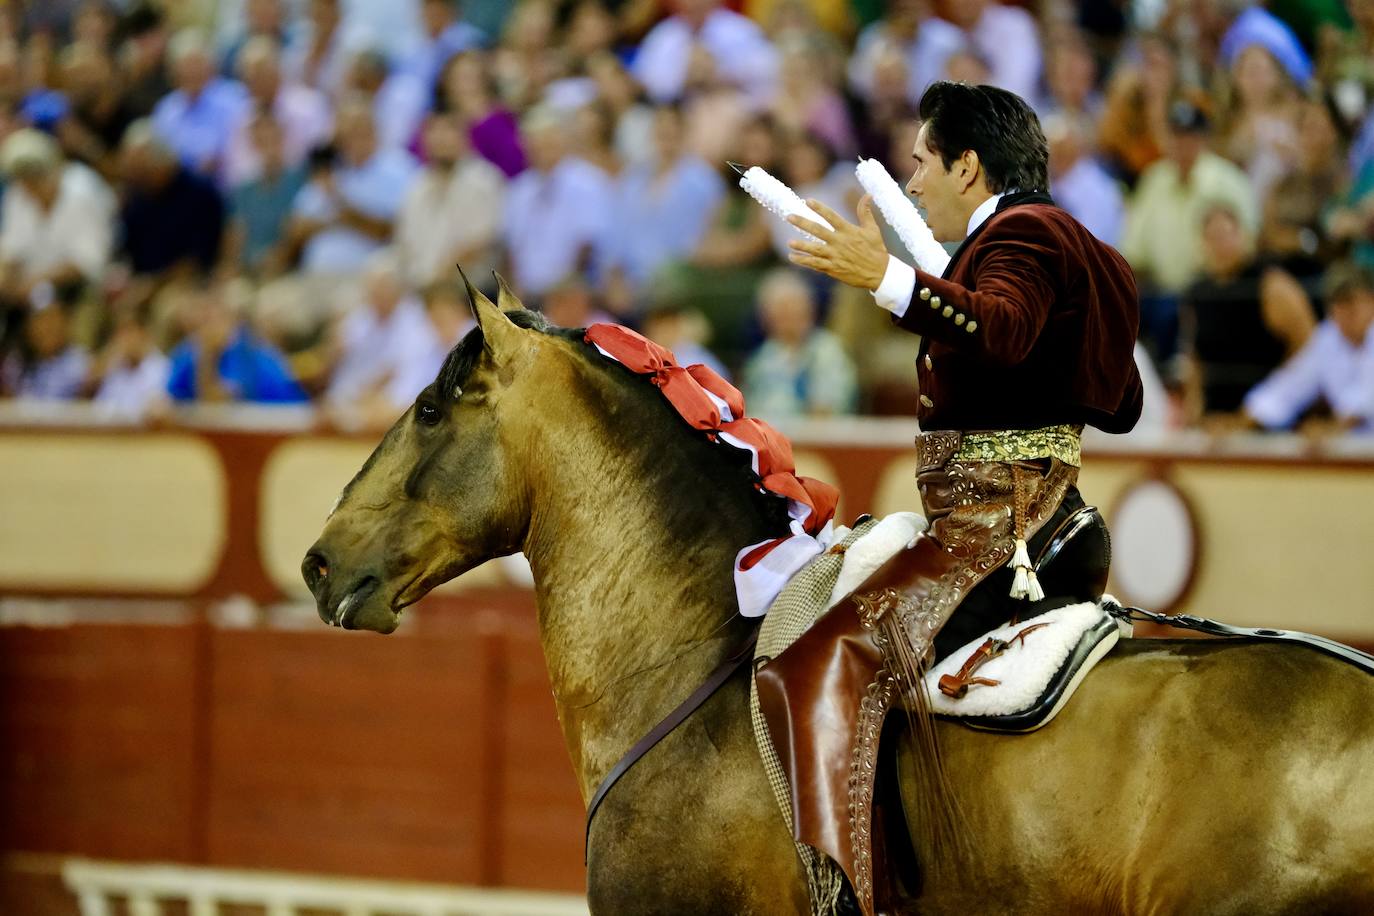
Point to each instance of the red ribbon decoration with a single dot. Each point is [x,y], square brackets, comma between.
[686,389]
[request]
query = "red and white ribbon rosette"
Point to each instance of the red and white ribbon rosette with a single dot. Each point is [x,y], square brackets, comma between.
[709,403]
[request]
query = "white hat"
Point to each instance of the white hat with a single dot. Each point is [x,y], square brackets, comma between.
[29,150]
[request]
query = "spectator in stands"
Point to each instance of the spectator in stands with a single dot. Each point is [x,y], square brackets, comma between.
[807,100]
[142,58]
[452,212]
[1293,233]
[260,208]
[633,119]
[801,370]
[741,51]
[263,20]
[450,320]
[1071,77]
[56,221]
[49,364]
[198,118]
[527,60]
[132,372]
[1133,130]
[558,211]
[468,90]
[1078,182]
[1334,368]
[662,211]
[222,360]
[345,213]
[715,108]
[301,112]
[573,304]
[399,99]
[95,23]
[721,276]
[909,29]
[173,218]
[1162,236]
[97,113]
[683,331]
[593,137]
[377,341]
[1006,39]
[446,34]
[319,60]
[1241,319]
[1260,132]
[886,109]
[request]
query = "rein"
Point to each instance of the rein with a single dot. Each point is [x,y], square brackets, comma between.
[713,682]
[1345,653]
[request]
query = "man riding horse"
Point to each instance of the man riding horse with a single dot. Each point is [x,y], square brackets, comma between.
[1026,338]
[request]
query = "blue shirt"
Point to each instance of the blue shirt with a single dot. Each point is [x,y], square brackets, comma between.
[254,371]
[199,129]
[662,219]
[263,205]
[376,188]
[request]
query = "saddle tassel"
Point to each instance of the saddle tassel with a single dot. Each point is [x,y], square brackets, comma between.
[1025,583]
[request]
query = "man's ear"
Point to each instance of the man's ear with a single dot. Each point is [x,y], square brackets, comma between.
[499,333]
[971,167]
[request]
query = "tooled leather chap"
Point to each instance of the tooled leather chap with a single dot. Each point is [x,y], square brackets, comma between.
[826,697]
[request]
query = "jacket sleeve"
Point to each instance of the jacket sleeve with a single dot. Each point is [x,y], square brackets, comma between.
[1002,316]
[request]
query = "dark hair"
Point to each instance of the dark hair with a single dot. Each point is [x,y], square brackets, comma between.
[1345,280]
[996,124]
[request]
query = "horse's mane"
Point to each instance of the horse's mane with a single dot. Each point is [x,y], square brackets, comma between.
[462,359]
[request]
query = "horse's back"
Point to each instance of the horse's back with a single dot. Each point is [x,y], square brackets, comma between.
[1184,776]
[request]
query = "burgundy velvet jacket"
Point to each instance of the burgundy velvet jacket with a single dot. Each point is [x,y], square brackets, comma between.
[1035,326]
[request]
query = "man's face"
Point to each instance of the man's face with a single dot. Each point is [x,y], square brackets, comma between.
[193,71]
[939,191]
[1353,314]
[47,331]
[356,135]
[1184,148]
[443,141]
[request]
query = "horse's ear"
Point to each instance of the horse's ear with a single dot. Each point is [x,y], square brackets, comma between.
[506,299]
[497,329]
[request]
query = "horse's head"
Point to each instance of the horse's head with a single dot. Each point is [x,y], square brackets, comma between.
[443,491]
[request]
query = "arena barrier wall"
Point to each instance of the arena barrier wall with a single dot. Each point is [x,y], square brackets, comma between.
[169,697]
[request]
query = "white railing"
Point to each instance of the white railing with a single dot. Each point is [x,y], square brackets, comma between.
[146,888]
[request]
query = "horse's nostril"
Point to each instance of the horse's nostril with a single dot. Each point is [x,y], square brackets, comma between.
[315,568]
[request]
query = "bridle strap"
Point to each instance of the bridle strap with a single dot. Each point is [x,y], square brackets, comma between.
[675,718]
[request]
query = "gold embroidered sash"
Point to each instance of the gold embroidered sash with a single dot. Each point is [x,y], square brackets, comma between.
[1062,442]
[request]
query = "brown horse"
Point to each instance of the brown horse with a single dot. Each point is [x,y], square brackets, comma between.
[1185,777]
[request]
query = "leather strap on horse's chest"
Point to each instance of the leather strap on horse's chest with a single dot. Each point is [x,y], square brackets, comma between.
[660,731]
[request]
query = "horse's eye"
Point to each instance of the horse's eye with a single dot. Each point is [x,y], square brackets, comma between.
[427,414]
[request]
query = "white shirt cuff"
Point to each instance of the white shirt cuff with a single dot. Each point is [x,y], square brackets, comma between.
[899,282]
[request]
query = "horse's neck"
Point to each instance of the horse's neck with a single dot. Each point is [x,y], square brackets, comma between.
[633,557]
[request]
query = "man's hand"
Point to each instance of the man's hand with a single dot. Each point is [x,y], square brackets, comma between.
[851,254]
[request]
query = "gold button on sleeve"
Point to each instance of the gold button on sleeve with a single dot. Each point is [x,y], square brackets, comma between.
[925,292]
[927,402]
[949,310]
[935,302]
[959,318]
[971,326]
[930,364]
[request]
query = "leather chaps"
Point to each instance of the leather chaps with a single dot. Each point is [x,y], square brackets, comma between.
[826,697]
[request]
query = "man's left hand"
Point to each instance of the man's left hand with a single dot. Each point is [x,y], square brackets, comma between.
[851,254]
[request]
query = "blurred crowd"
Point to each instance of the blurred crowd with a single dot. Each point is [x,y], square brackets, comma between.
[264,200]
